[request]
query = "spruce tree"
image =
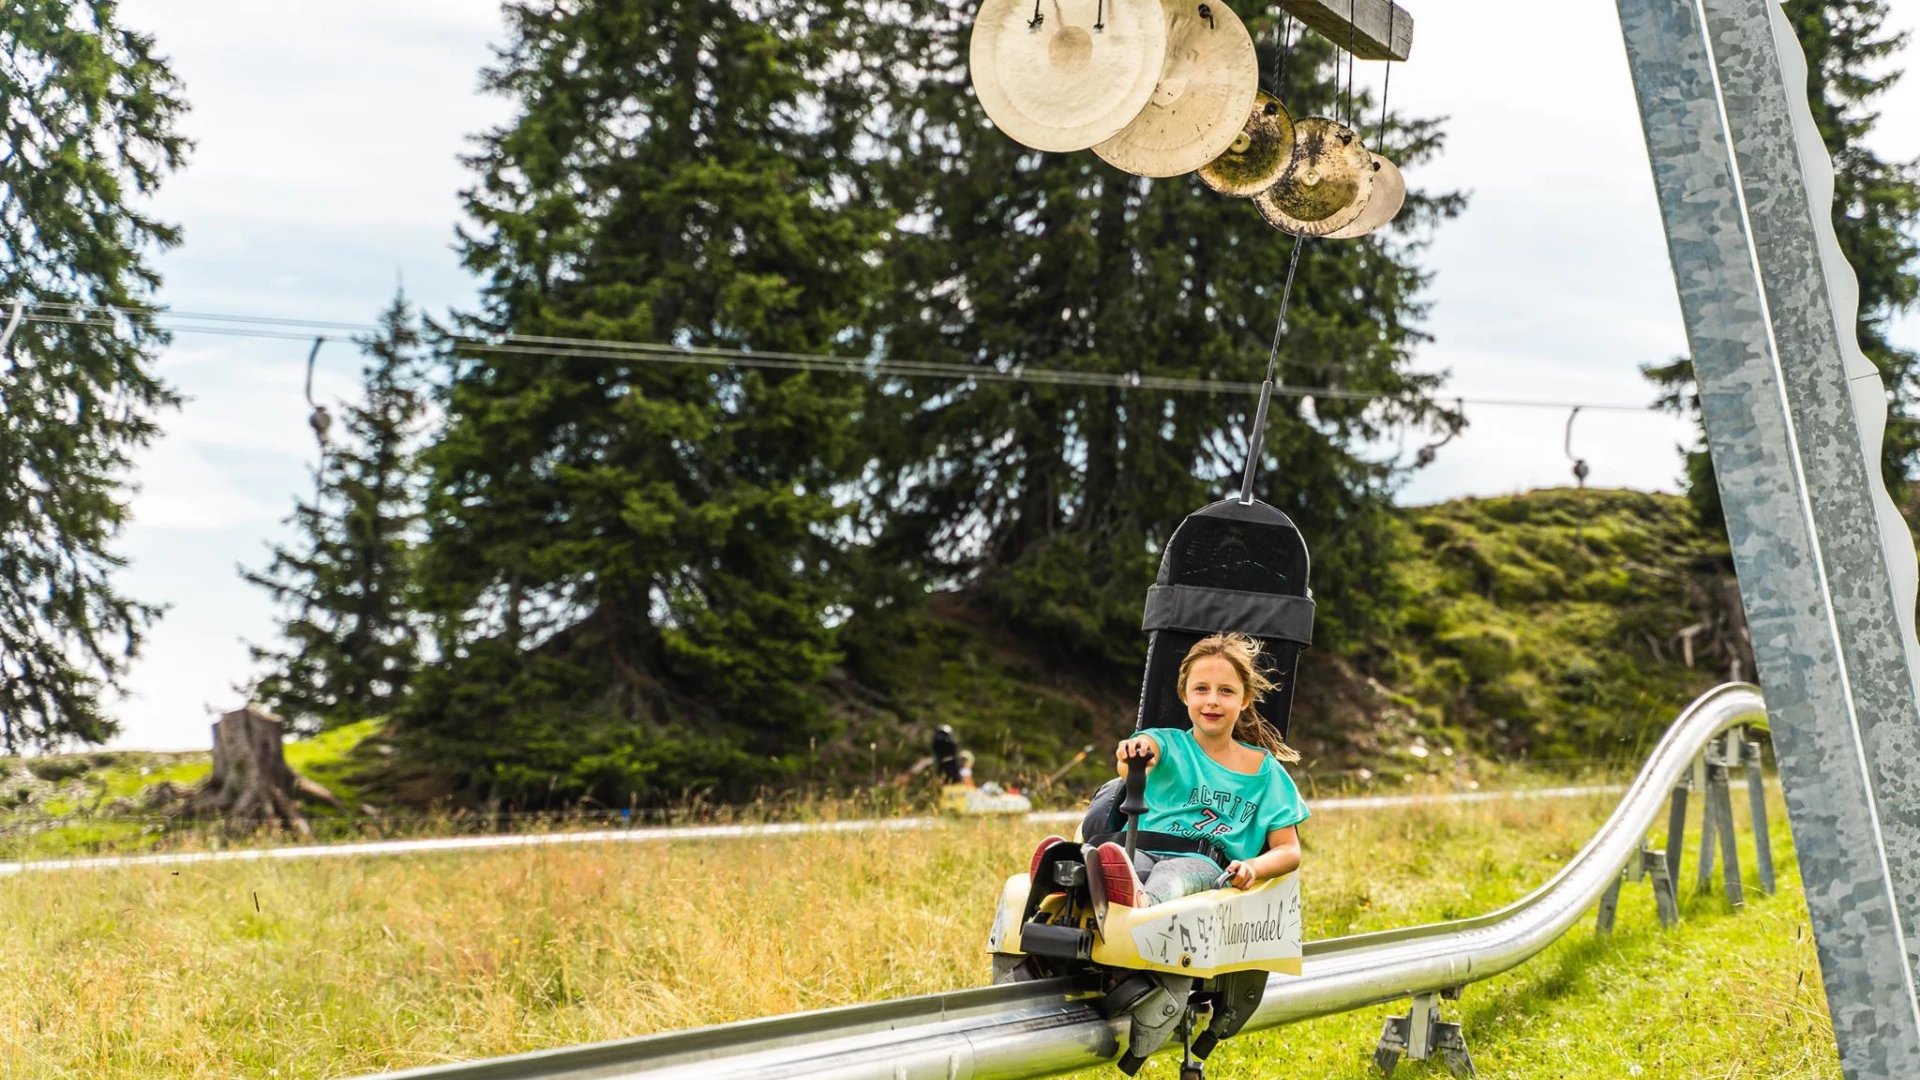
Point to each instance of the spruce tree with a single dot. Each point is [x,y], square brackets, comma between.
[630,564]
[350,639]
[1876,205]
[1049,503]
[91,113]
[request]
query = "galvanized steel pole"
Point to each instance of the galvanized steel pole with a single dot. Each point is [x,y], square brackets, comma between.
[1794,417]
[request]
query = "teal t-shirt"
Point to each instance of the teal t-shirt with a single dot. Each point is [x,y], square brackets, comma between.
[1190,794]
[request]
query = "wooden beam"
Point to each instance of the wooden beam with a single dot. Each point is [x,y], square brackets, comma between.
[1378,29]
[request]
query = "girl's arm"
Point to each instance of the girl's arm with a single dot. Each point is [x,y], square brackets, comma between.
[1281,857]
[1134,745]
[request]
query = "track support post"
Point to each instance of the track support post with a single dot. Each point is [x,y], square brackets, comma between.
[1420,1034]
[1649,863]
[1716,818]
[1676,828]
[1757,806]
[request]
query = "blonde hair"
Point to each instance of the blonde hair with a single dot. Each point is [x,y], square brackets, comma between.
[1243,653]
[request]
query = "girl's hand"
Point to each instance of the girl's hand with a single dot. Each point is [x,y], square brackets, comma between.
[1139,744]
[1241,874]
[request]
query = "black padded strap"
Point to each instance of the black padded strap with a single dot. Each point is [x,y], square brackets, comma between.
[1160,842]
[1213,611]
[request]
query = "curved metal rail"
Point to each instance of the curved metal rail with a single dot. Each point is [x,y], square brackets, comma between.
[1048,1027]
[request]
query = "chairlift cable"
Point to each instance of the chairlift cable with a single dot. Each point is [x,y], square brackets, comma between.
[656,352]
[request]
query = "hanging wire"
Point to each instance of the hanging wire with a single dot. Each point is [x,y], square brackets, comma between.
[1256,438]
[1580,469]
[1579,473]
[1280,58]
[321,421]
[505,345]
[1352,30]
[1286,297]
[1386,81]
[1425,455]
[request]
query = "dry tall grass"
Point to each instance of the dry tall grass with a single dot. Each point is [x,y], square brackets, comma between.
[337,967]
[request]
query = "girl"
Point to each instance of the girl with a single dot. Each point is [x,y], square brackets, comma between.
[1220,783]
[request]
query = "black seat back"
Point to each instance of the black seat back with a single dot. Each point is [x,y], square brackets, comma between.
[1230,566]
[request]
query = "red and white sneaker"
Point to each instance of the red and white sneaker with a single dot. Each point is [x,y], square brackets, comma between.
[1110,873]
[1033,865]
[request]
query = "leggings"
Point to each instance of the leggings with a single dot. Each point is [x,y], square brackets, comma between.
[1163,877]
[1170,877]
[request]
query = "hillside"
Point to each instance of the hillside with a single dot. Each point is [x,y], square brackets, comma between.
[1550,626]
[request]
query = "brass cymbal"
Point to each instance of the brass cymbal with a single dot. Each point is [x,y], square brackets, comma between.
[1062,83]
[1389,195]
[1206,87]
[1329,184]
[1258,157]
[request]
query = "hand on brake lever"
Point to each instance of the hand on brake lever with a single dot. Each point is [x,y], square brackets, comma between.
[1136,747]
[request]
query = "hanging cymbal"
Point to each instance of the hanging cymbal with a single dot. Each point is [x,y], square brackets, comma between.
[1206,86]
[1329,184]
[1068,73]
[1389,195]
[1258,157]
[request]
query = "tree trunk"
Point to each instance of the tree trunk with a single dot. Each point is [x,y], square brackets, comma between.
[252,784]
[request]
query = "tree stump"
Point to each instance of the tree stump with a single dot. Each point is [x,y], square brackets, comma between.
[252,784]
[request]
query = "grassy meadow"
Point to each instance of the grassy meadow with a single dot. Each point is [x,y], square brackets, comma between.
[337,967]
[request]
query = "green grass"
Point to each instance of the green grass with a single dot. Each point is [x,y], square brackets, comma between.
[1532,621]
[352,965]
[1724,995]
[87,804]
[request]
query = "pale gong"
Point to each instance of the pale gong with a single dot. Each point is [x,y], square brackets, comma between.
[1205,90]
[1389,195]
[1329,184]
[1257,158]
[1069,75]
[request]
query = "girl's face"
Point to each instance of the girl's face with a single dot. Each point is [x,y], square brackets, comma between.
[1214,696]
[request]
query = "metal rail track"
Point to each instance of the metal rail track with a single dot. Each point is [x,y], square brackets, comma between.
[1048,1027]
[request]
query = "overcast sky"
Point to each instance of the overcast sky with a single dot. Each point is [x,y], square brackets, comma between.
[326,172]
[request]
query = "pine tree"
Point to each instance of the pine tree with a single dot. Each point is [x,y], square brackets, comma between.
[630,564]
[91,114]
[1876,206]
[1050,503]
[351,639]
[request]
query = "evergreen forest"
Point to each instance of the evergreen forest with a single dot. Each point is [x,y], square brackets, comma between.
[603,536]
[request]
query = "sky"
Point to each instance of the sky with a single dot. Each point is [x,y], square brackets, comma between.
[326,173]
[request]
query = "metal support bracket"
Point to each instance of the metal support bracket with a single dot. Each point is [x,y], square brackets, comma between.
[1716,820]
[1420,1034]
[1651,864]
